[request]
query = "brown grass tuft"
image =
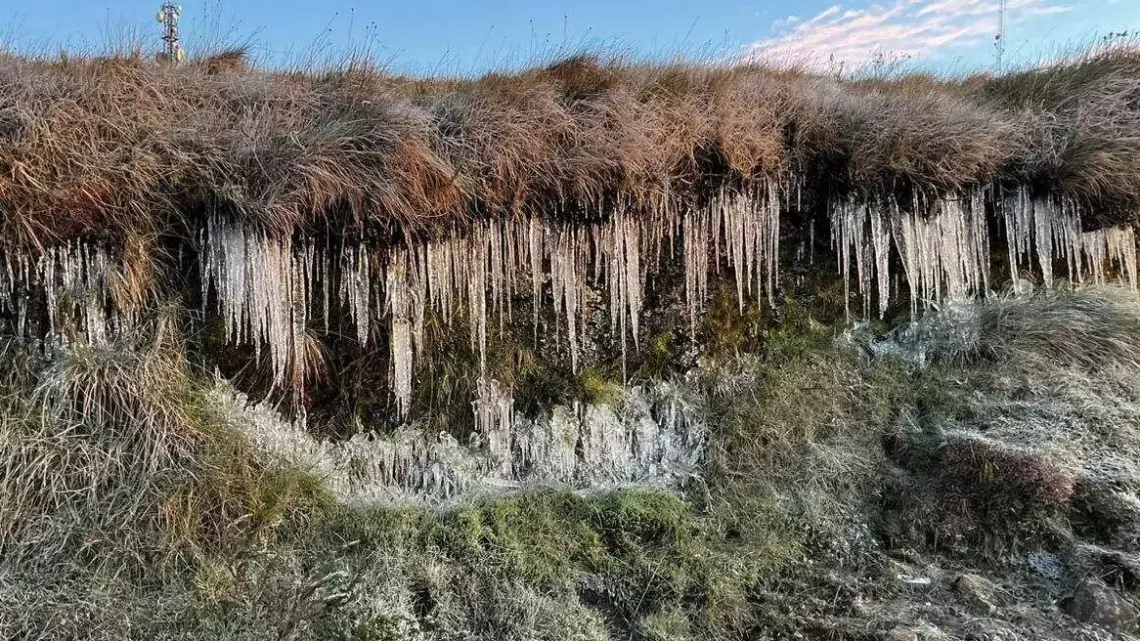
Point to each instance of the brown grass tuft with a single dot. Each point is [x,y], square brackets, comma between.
[228,61]
[114,144]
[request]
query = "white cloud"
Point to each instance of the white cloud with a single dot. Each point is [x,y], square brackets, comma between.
[900,29]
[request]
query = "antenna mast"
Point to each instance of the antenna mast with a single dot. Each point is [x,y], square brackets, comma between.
[999,39]
[168,16]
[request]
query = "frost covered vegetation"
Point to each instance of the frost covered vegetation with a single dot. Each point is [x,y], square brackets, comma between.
[598,350]
[840,465]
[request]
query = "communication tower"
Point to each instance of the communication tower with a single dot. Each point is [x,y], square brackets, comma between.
[168,16]
[999,39]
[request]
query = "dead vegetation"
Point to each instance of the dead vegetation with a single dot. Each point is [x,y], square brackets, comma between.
[117,145]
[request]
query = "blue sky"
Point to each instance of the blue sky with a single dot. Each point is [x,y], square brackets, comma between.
[471,36]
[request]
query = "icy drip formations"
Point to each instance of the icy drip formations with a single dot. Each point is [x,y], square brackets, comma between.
[944,246]
[61,295]
[653,436]
[271,290]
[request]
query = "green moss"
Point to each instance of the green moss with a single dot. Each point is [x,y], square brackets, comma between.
[653,556]
[726,328]
[595,387]
[659,354]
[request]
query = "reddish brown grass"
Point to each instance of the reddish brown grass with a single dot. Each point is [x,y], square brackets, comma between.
[113,145]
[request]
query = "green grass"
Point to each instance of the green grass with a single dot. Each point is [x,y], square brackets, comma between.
[648,553]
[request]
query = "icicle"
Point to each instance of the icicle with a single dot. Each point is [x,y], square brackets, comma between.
[494,407]
[942,252]
[535,247]
[620,242]
[1110,247]
[566,284]
[252,276]
[356,286]
[1043,214]
[1121,247]
[476,279]
[847,225]
[881,240]
[399,306]
[695,246]
[417,290]
[1094,245]
[771,236]
[735,242]
[632,275]
[299,317]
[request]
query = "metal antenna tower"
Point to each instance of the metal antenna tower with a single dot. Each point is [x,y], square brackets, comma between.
[168,16]
[999,39]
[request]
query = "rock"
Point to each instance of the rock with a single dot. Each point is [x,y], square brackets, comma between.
[977,593]
[1094,603]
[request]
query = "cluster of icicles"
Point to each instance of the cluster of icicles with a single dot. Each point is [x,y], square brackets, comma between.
[944,245]
[61,295]
[270,290]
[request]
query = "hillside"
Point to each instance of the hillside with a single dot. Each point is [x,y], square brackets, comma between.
[596,350]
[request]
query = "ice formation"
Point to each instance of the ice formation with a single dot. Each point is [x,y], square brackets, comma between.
[72,284]
[944,245]
[652,436]
[267,288]
[273,291]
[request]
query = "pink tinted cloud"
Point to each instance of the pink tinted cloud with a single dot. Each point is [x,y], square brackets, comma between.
[901,29]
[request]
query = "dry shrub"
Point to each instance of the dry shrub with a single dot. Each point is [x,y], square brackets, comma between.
[1082,118]
[965,492]
[227,61]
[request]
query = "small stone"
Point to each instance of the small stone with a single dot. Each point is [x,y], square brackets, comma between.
[976,592]
[1094,603]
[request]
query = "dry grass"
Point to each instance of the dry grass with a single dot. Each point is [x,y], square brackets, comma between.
[109,457]
[115,144]
[87,436]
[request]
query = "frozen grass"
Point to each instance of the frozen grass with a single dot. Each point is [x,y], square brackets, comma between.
[826,460]
[112,459]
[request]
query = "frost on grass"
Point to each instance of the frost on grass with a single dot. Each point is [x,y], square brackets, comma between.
[652,436]
[1057,370]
